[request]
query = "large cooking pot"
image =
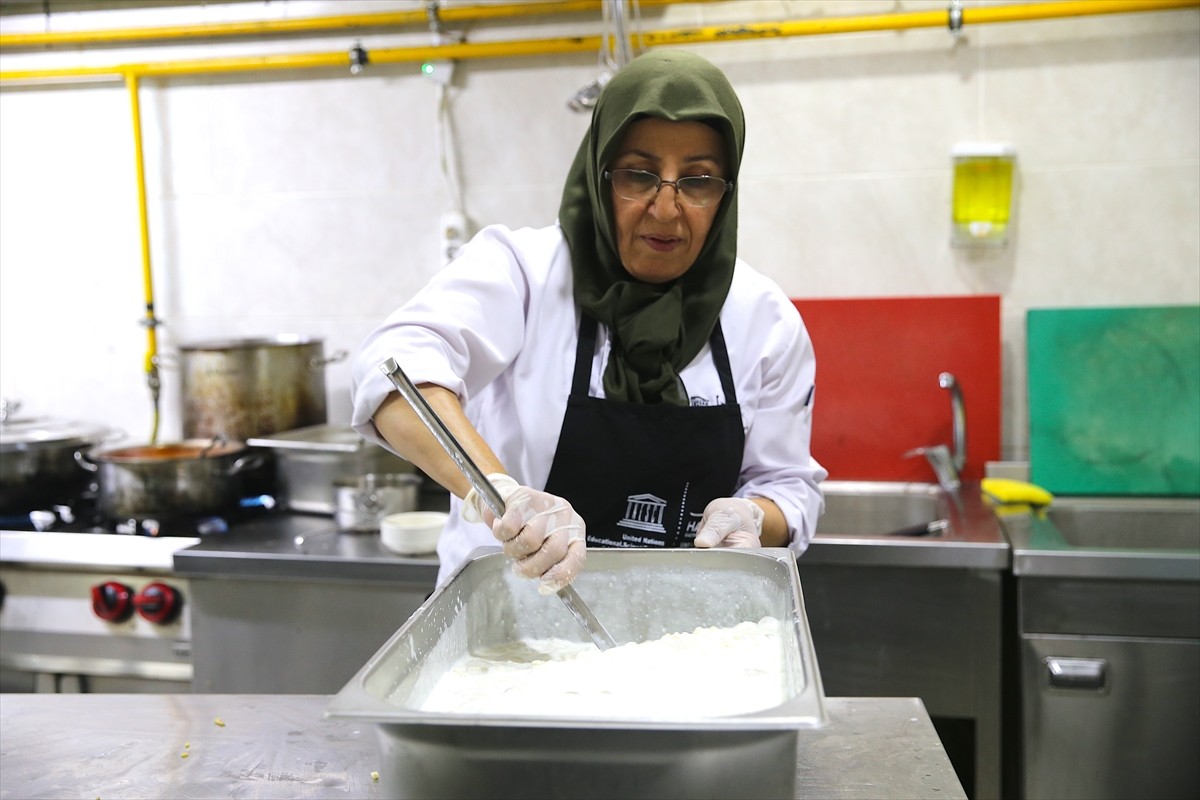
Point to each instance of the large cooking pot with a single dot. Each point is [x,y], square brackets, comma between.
[239,388]
[37,465]
[196,477]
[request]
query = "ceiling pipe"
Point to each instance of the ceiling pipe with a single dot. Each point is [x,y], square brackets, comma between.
[578,44]
[311,25]
[953,18]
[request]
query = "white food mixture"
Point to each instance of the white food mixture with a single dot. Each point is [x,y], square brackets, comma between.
[710,672]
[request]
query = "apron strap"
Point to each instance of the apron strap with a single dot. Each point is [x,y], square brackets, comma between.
[721,359]
[585,348]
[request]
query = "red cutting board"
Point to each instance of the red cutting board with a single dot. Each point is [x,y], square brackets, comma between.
[877,395]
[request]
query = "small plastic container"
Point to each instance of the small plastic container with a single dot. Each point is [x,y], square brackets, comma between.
[412,533]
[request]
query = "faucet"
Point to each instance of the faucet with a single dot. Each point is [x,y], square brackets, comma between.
[948,463]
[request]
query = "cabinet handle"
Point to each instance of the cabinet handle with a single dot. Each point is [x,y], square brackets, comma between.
[1076,673]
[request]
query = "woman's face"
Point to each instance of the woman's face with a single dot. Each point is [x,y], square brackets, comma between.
[659,239]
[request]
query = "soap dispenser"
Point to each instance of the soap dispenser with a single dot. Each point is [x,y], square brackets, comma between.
[983,193]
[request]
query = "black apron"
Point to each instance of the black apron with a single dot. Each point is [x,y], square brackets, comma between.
[641,475]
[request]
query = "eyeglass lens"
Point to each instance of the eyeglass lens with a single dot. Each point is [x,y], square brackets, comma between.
[696,190]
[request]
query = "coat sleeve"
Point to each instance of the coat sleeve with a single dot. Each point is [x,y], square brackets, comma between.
[460,331]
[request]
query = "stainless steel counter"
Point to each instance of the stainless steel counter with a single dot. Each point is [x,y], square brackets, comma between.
[300,546]
[115,746]
[891,616]
[1117,538]
[54,549]
[973,540]
[303,547]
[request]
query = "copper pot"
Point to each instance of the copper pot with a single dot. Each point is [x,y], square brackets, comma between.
[195,477]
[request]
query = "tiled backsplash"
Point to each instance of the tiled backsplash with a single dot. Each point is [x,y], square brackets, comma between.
[878,361]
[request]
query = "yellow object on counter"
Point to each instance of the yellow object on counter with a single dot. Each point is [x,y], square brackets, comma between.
[1007,492]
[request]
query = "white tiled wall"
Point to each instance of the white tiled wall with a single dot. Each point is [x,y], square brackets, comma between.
[308,202]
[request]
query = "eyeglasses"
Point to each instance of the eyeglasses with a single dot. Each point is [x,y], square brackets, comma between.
[641,186]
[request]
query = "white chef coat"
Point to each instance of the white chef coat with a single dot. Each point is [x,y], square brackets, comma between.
[498,326]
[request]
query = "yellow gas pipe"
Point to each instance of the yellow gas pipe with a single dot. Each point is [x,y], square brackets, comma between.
[150,320]
[811,27]
[575,44]
[938,18]
[312,25]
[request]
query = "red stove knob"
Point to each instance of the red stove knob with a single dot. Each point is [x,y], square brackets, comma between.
[112,601]
[158,602]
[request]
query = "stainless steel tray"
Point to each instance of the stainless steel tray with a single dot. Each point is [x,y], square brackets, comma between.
[640,595]
[309,461]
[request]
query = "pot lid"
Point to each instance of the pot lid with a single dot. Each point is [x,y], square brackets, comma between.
[27,431]
[254,343]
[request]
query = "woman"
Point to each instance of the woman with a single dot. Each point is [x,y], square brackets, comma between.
[622,378]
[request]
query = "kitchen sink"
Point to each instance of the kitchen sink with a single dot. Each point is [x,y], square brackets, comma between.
[883,508]
[906,523]
[1128,523]
[1155,538]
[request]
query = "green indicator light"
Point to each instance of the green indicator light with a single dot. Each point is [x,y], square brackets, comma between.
[427,68]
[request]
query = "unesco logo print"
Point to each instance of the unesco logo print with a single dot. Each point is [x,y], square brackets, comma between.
[644,512]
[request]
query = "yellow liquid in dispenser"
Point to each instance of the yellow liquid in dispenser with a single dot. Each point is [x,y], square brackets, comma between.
[982,198]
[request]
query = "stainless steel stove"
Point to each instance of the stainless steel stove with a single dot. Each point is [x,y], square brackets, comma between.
[95,605]
[259,599]
[93,612]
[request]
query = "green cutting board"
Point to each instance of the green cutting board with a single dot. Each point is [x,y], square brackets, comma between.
[1114,400]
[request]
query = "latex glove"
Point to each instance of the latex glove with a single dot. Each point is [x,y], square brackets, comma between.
[476,510]
[541,532]
[730,522]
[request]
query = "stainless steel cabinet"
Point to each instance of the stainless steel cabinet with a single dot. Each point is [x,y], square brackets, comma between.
[934,633]
[1108,631]
[264,635]
[295,606]
[1110,682]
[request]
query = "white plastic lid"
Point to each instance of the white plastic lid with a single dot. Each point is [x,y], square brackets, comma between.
[984,150]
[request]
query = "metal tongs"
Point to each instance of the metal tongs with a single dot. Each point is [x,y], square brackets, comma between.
[571,599]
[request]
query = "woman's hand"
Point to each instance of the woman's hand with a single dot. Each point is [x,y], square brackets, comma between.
[541,532]
[730,522]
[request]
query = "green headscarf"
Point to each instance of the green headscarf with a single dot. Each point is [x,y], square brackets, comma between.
[658,328]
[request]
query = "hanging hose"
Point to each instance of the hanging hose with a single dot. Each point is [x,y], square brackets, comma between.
[149,321]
